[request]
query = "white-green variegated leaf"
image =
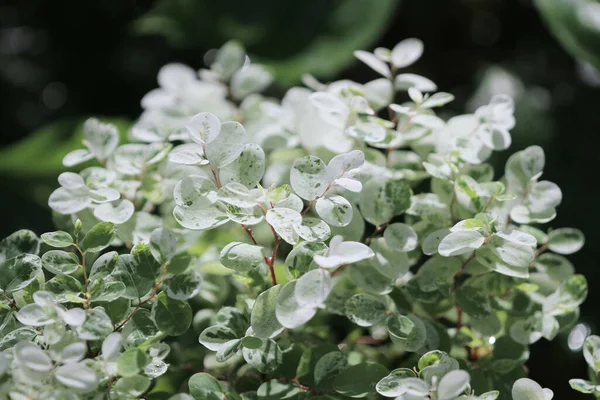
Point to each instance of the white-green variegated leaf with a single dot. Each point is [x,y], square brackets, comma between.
[457,243]
[204,127]
[313,288]
[227,146]
[335,210]
[118,212]
[289,311]
[248,169]
[309,177]
[283,221]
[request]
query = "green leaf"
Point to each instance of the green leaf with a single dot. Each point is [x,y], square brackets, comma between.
[582,385]
[97,325]
[183,286]
[133,386]
[313,230]
[366,309]
[383,199]
[217,337]
[60,262]
[327,368]
[573,25]
[205,387]
[300,259]
[474,301]
[104,265]
[391,385]
[591,352]
[565,240]
[18,243]
[266,358]
[163,245]
[77,376]
[18,272]
[276,390]
[359,380]
[263,318]
[171,316]
[308,177]
[131,362]
[408,331]
[242,257]
[401,237]
[57,239]
[99,237]
[138,278]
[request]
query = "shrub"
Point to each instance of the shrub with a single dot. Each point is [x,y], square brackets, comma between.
[331,245]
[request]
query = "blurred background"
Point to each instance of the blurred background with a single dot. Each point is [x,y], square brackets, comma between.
[62,61]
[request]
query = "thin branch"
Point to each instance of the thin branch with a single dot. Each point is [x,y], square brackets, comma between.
[250,233]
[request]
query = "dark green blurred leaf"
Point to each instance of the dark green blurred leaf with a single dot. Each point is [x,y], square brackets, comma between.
[575,25]
[319,39]
[40,154]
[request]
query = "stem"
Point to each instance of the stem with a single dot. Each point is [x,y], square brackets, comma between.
[249,231]
[271,260]
[339,269]
[10,301]
[542,249]
[459,318]
[140,304]
[214,173]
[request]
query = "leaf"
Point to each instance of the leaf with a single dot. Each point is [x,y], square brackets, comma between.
[99,237]
[582,385]
[313,230]
[183,286]
[532,161]
[359,380]
[203,127]
[227,146]
[383,199]
[406,52]
[327,368]
[366,309]
[263,318]
[242,257]
[138,279]
[60,262]
[300,259]
[308,177]
[313,288]
[266,358]
[133,386]
[77,376]
[97,325]
[526,389]
[117,212]
[453,384]
[591,352]
[276,390]
[565,240]
[18,272]
[341,253]
[474,301]
[205,387]
[163,245]
[401,237]
[289,312]
[131,362]
[391,385]
[248,169]
[407,331]
[217,337]
[171,316]
[104,265]
[62,137]
[19,242]
[249,79]
[461,242]
[57,239]
[283,221]
[373,62]
[335,210]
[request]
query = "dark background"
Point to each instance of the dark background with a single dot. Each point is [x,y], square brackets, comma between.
[61,61]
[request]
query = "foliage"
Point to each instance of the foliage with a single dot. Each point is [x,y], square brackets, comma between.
[333,245]
[576,25]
